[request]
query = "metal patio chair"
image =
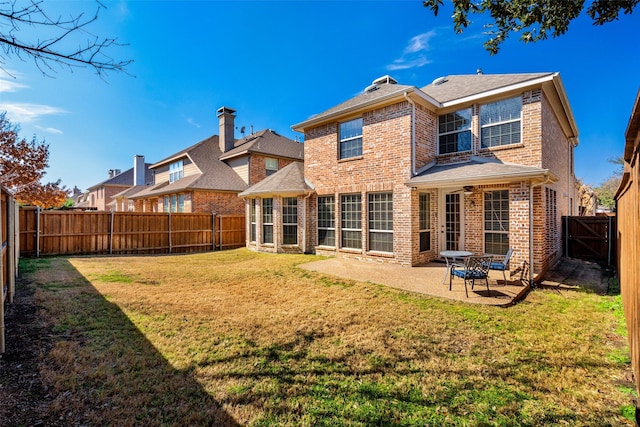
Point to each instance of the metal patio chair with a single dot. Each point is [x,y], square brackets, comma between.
[475,268]
[502,264]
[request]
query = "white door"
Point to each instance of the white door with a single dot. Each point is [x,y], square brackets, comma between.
[451,220]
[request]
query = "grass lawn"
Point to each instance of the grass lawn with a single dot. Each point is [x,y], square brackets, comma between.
[242,338]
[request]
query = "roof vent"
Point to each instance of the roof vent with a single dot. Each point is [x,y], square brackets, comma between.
[371,88]
[439,80]
[385,80]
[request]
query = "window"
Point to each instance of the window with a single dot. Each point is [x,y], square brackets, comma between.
[326,221]
[289,221]
[454,132]
[500,123]
[176,171]
[425,221]
[351,208]
[271,166]
[267,220]
[351,139]
[381,222]
[166,204]
[253,219]
[496,222]
[174,203]
[552,224]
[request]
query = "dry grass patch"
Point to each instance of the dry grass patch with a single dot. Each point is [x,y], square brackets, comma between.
[248,338]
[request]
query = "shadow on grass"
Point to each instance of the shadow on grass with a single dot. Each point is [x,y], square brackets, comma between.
[97,368]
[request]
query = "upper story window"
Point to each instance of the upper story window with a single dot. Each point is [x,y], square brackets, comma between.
[271,165]
[454,132]
[351,138]
[176,171]
[500,123]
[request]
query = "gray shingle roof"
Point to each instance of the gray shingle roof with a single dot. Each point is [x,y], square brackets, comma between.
[126,178]
[287,181]
[215,174]
[477,171]
[460,86]
[266,142]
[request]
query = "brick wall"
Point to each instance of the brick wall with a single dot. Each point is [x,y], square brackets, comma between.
[222,203]
[257,167]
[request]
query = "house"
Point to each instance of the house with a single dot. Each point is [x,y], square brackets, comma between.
[399,173]
[628,211]
[207,176]
[101,196]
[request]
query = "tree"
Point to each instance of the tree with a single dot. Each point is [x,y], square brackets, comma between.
[607,190]
[534,19]
[22,166]
[53,41]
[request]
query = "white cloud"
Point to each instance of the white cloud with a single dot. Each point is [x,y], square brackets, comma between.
[10,86]
[414,54]
[193,123]
[26,113]
[49,130]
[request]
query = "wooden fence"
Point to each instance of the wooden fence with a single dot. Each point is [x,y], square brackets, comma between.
[628,211]
[75,233]
[9,258]
[591,238]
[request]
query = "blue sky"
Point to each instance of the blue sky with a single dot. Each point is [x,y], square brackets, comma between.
[278,63]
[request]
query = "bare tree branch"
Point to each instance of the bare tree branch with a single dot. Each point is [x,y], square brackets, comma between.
[58,34]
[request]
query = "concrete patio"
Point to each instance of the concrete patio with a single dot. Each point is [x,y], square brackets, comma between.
[425,279]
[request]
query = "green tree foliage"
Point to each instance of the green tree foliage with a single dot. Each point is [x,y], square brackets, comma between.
[533,19]
[607,190]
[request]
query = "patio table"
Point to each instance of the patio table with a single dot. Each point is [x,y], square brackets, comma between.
[450,258]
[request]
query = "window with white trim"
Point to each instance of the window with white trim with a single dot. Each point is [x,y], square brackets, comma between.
[454,132]
[425,221]
[500,123]
[326,221]
[496,222]
[381,222]
[267,220]
[176,171]
[351,220]
[254,204]
[290,221]
[167,204]
[351,138]
[271,165]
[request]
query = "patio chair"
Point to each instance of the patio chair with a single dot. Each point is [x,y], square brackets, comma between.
[475,267]
[502,264]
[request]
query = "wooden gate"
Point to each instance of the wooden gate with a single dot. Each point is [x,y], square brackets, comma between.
[591,238]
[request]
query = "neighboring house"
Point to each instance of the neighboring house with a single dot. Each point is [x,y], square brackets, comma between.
[101,196]
[208,176]
[628,211]
[400,173]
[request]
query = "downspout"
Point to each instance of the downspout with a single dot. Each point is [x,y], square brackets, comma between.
[413,133]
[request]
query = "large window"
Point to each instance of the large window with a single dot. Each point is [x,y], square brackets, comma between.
[267,220]
[454,132]
[326,221]
[271,166]
[500,123]
[176,171]
[381,222]
[289,221]
[351,139]
[167,204]
[254,203]
[351,210]
[425,221]
[496,222]
[174,203]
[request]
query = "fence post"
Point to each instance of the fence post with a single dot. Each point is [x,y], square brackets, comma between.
[213,231]
[169,228]
[609,240]
[111,220]
[37,231]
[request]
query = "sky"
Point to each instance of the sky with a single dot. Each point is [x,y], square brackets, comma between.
[278,63]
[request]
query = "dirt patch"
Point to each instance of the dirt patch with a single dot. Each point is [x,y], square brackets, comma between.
[576,273]
[23,396]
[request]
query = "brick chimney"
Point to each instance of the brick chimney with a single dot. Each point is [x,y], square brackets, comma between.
[226,117]
[138,170]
